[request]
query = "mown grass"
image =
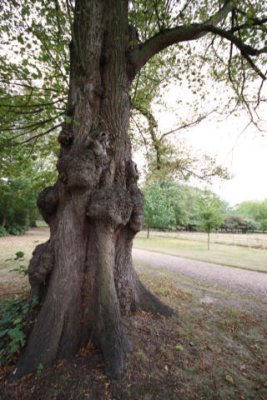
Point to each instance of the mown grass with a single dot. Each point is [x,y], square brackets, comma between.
[10,283]
[235,256]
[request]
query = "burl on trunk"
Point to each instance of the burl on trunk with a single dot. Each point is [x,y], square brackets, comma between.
[84,275]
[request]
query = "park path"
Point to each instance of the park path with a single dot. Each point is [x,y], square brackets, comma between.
[249,283]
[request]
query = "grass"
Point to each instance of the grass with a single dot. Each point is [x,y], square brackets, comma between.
[234,256]
[207,350]
[9,245]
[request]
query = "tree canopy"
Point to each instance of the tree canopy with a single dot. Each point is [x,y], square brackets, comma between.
[255,210]
[225,40]
[169,205]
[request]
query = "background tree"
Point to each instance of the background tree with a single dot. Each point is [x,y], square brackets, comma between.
[255,210]
[235,223]
[84,274]
[211,213]
[24,171]
[169,205]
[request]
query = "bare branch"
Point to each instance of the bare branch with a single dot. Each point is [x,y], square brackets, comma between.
[41,134]
[246,51]
[35,125]
[186,125]
[141,133]
[259,93]
[32,105]
[255,23]
[27,86]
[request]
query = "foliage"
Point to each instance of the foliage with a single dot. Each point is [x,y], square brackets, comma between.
[15,318]
[23,173]
[17,263]
[159,211]
[169,205]
[33,83]
[236,223]
[34,75]
[34,68]
[254,210]
[187,65]
[211,211]
[3,231]
[18,194]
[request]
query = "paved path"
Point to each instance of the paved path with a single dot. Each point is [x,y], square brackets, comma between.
[250,283]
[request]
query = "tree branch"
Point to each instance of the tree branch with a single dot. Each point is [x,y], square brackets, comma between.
[246,51]
[186,125]
[140,55]
[34,125]
[253,23]
[41,134]
[32,105]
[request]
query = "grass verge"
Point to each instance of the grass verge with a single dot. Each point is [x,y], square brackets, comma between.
[233,256]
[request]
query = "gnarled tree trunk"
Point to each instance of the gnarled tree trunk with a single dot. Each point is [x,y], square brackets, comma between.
[84,274]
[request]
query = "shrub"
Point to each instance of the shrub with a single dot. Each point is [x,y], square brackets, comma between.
[16,317]
[3,232]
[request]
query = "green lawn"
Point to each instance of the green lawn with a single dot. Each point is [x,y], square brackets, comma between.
[235,256]
[11,283]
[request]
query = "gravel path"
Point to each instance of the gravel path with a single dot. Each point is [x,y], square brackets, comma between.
[249,283]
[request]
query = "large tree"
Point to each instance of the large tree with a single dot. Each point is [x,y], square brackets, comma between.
[84,274]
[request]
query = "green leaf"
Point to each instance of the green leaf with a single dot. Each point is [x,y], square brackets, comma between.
[179,347]
[19,254]
[229,379]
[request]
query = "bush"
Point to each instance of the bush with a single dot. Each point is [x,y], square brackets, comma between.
[3,232]
[17,230]
[16,317]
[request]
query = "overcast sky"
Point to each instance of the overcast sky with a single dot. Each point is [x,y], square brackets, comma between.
[244,155]
[243,152]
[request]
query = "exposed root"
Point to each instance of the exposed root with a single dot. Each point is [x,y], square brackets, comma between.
[149,302]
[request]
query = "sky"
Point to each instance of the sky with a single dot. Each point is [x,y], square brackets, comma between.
[242,151]
[244,154]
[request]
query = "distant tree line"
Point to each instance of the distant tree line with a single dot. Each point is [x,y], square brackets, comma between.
[173,206]
[168,206]
[23,173]
[17,206]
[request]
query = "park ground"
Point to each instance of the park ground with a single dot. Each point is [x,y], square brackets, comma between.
[214,347]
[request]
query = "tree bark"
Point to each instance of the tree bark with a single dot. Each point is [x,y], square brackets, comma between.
[84,274]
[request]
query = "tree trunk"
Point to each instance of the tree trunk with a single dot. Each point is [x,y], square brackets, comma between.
[84,275]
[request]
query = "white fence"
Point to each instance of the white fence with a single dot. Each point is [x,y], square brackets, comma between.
[256,240]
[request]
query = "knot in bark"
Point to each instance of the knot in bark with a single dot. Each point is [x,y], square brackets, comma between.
[110,205]
[82,166]
[66,136]
[47,202]
[41,264]
[132,174]
[137,216]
